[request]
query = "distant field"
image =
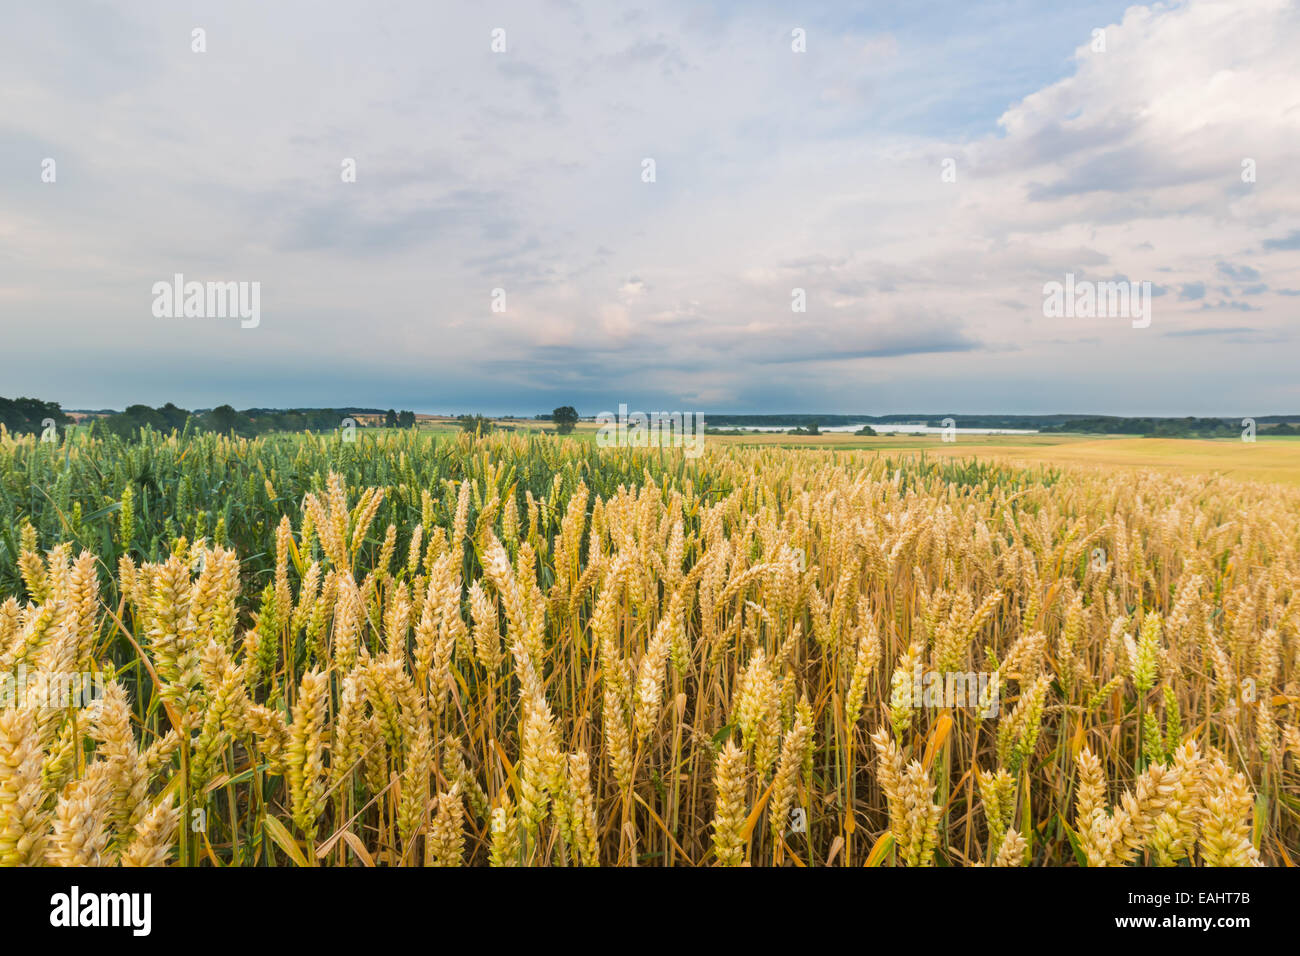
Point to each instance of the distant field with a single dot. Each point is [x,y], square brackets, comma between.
[1276,460]
[1268,459]
[1264,460]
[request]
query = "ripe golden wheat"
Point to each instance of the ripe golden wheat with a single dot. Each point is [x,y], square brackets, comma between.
[716,666]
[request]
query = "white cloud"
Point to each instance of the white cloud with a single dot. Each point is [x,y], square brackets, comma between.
[522,171]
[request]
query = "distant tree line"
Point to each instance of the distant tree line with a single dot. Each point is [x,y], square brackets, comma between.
[395,419]
[1094,424]
[224,419]
[26,416]
[1153,427]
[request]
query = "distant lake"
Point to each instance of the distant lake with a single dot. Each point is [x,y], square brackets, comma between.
[900,428]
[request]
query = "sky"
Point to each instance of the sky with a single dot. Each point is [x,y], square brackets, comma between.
[920,171]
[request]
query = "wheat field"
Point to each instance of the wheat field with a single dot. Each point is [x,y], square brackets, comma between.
[520,650]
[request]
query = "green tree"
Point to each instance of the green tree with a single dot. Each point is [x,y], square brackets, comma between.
[390,419]
[25,416]
[174,417]
[475,423]
[565,417]
[226,420]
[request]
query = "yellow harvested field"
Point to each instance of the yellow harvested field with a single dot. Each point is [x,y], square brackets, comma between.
[1276,460]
